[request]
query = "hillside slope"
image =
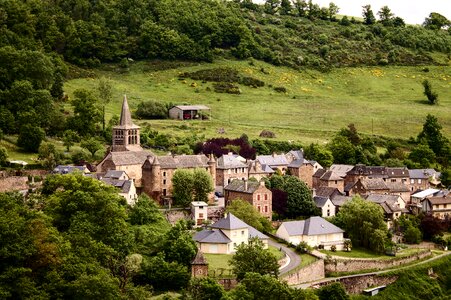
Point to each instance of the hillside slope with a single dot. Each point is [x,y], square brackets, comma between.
[378,100]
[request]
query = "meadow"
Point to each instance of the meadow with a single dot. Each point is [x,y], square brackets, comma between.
[382,101]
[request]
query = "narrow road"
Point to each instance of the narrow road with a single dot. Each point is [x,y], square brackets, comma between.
[295,260]
[309,284]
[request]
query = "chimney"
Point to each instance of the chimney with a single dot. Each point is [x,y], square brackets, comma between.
[313,192]
[262,183]
[245,184]
[274,154]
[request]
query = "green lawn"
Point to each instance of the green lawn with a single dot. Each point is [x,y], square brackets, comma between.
[378,100]
[365,253]
[277,253]
[218,263]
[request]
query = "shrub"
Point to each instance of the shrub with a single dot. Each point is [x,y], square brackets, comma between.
[333,248]
[303,247]
[226,87]
[412,235]
[280,89]
[152,110]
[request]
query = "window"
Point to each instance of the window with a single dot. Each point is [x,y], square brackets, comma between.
[164,181]
[266,208]
[201,215]
[164,192]
[266,196]
[258,197]
[393,180]
[419,180]
[328,212]
[412,181]
[336,181]
[164,173]
[242,232]
[258,208]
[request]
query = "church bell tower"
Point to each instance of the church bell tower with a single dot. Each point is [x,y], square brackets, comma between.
[126,134]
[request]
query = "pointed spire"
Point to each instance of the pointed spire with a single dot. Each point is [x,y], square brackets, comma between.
[126,118]
[199,259]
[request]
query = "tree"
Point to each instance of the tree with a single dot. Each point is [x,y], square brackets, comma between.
[202,185]
[204,289]
[145,211]
[412,235]
[271,6]
[285,7]
[431,226]
[299,198]
[92,145]
[105,92]
[178,245]
[333,291]
[254,258]
[249,215]
[152,110]
[364,223]
[423,155]
[368,15]
[332,11]
[301,7]
[191,186]
[431,95]
[342,150]
[70,137]
[86,113]
[3,156]
[182,184]
[30,137]
[386,16]
[57,91]
[436,21]
[433,136]
[320,154]
[49,156]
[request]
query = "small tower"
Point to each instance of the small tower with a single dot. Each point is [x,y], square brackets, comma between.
[126,134]
[212,166]
[151,177]
[199,265]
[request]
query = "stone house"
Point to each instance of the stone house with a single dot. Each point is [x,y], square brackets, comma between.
[365,172]
[258,171]
[328,192]
[157,172]
[301,167]
[199,265]
[226,234]
[326,205]
[399,188]
[252,192]
[420,179]
[392,205]
[327,178]
[339,201]
[229,167]
[126,188]
[341,170]
[398,175]
[274,161]
[439,206]
[315,231]
[367,186]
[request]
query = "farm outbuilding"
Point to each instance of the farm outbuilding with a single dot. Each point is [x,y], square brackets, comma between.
[189,112]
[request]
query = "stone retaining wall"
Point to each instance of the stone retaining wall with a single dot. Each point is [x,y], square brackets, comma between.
[312,272]
[343,265]
[356,284]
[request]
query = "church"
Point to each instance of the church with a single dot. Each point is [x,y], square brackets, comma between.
[151,174]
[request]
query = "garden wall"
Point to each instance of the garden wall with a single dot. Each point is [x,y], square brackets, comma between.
[312,272]
[353,265]
[356,284]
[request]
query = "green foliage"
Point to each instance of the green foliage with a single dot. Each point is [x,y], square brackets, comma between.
[49,156]
[432,135]
[333,291]
[3,156]
[299,198]
[368,15]
[423,155]
[191,186]
[204,289]
[303,247]
[70,137]
[412,235]
[248,214]
[86,113]
[320,154]
[30,137]
[436,21]
[179,245]
[254,258]
[92,145]
[364,222]
[431,95]
[145,211]
[152,110]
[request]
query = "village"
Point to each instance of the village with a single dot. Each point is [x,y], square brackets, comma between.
[398,192]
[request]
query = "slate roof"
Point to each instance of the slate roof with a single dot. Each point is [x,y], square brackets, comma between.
[297,154]
[62,169]
[230,222]
[378,198]
[341,170]
[183,161]
[121,158]
[126,117]
[273,160]
[320,201]
[423,173]
[340,200]
[397,187]
[330,176]
[398,172]
[123,185]
[311,226]
[373,184]
[319,173]
[255,233]
[326,191]
[440,200]
[389,208]
[115,174]
[228,161]
[256,168]
[211,236]
[379,171]
[199,259]
[238,186]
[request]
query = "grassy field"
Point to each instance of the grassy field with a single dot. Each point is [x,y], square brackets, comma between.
[385,101]
[365,253]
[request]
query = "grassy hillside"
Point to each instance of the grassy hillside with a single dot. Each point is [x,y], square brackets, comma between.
[385,101]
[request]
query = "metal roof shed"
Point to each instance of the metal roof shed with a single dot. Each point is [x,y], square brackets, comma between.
[188,112]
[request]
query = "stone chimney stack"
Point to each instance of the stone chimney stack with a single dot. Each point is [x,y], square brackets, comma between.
[245,184]
[313,192]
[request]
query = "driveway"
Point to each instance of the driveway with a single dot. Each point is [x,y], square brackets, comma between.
[294,258]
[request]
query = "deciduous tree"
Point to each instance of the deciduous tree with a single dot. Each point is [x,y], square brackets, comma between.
[248,214]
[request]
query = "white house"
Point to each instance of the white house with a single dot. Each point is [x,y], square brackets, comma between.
[326,205]
[315,231]
[199,212]
[226,234]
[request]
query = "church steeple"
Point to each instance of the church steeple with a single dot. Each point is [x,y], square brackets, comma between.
[126,134]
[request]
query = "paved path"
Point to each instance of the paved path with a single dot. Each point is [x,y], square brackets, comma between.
[309,284]
[294,259]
